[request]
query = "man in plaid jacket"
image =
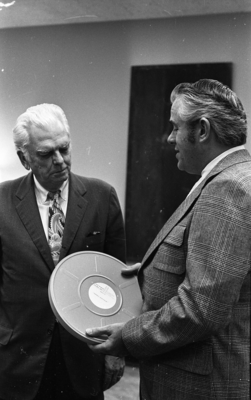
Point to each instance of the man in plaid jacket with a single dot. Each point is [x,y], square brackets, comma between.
[192,338]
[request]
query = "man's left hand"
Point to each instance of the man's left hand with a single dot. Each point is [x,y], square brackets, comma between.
[113,345]
[114,370]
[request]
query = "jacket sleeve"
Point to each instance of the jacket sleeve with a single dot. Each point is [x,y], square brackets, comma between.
[215,259]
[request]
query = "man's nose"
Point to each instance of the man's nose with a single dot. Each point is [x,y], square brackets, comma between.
[171,138]
[57,158]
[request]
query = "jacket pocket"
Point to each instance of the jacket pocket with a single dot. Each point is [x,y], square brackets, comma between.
[5,335]
[94,242]
[170,256]
[176,236]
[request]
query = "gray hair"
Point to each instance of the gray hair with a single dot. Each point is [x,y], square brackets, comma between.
[218,103]
[39,116]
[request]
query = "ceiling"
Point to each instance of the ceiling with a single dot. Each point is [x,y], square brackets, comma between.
[21,13]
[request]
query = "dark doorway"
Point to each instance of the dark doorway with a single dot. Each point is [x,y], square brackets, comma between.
[155,186]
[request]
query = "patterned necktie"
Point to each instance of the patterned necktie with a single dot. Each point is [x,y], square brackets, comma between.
[56,225]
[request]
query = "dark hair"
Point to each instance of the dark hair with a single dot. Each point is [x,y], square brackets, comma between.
[218,103]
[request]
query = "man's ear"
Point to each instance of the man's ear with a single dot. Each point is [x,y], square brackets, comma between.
[205,129]
[23,159]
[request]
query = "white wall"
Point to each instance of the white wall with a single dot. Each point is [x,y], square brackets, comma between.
[86,70]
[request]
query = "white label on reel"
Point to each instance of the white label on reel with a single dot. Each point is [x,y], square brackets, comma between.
[102,295]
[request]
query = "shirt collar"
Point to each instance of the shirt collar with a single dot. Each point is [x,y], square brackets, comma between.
[41,192]
[208,168]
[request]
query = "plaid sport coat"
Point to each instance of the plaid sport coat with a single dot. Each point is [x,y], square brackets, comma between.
[192,338]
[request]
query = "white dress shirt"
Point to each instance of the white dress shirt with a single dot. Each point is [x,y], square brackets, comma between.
[208,168]
[43,204]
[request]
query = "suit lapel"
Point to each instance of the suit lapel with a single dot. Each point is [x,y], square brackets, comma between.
[28,212]
[76,209]
[174,219]
[231,159]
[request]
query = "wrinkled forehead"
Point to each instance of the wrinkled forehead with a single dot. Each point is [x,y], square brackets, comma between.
[177,108]
[178,103]
[54,132]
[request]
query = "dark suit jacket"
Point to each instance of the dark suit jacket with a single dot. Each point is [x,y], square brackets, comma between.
[192,339]
[26,319]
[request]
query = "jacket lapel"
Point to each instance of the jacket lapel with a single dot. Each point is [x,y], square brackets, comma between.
[174,219]
[233,158]
[76,209]
[28,212]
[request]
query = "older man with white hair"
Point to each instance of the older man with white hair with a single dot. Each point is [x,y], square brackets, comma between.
[45,216]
